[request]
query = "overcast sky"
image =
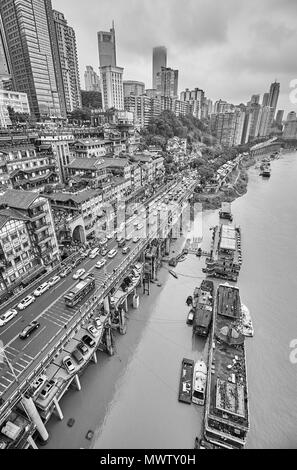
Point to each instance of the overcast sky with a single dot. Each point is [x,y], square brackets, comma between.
[229,48]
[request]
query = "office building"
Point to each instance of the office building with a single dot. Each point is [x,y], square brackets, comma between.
[291,116]
[92,80]
[290,129]
[273,95]
[107,48]
[279,116]
[159,61]
[265,100]
[228,127]
[167,82]
[222,106]
[196,98]
[131,87]
[266,121]
[17,101]
[31,46]
[112,87]
[67,51]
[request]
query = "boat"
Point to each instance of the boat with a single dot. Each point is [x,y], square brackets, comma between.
[199,383]
[173,273]
[265,170]
[189,300]
[246,319]
[89,435]
[173,262]
[199,252]
[203,302]
[225,211]
[186,381]
[190,317]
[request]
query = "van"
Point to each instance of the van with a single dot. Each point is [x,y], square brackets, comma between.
[6,317]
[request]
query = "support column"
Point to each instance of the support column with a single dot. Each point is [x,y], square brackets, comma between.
[58,409]
[77,382]
[122,318]
[106,305]
[31,409]
[126,305]
[109,345]
[31,442]
[135,301]
[95,357]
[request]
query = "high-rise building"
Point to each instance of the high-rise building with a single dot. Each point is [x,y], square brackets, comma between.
[28,29]
[68,62]
[221,106]
[265,100]
[159,60]
[5,77]
[196,98]
[255,99]
[291,116]
[266,121]
[131,87]
[255,114]
[107,47]
[92,80]
[273,95]
[151,92]
[228,127]
[290,129]
[279,116]
[112,87]
[167,82]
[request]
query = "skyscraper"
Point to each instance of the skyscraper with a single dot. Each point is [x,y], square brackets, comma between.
[92,81]
[279,116]
[30,46]
[112,87]
[265,99]
[68,62]
[196,98]
[273,95]
[167,82]
[159,60]
[107,47]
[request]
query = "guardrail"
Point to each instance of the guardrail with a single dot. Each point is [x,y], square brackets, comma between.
[89,308]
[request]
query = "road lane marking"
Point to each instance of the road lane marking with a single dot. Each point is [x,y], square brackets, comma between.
[9,326]
[33,339]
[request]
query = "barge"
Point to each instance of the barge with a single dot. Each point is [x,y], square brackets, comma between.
[203,302]
[186,381]
[226,421]
[225,257]
[199,383]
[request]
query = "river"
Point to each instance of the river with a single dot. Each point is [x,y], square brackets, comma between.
[130,400]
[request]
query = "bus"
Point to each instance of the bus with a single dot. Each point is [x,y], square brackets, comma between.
[79,291]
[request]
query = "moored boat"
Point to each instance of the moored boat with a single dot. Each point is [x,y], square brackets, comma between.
[190,317]
[199,383]
[246,319]
[186,381]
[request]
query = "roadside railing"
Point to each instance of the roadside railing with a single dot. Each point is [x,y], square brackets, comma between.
[84,313]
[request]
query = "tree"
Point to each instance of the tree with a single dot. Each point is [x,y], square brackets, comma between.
[80,115]
[17,117]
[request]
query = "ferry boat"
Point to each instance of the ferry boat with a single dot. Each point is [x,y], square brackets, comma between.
[199,383]
[203,304]
[186,381]
[225,211]
[266,170]
[227,412]
[246,319]
[225,257]
[190,317]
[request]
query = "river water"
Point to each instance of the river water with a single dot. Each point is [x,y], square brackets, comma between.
[130,400]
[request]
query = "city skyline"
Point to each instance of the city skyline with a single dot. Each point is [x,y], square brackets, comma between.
[227,44]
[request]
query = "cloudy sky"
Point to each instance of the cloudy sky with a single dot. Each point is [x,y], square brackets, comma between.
[229,48]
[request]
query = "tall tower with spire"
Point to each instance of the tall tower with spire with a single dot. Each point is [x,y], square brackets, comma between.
[107,47]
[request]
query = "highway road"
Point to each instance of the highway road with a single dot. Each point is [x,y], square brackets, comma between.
[50,310]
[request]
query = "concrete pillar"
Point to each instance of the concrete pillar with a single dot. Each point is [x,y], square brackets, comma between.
[109,345]
[122,318]
[95,357]
[126,304]
[31,409]
[106,305]
[31,442]
[77,382]
[58,409]
[135,301]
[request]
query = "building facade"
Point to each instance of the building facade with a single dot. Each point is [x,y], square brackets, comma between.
[131,87]
[167,82]
[92,81]
[159,61]
[112,87]
[17,101]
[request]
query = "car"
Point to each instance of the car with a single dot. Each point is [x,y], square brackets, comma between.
[93,330]
[77,356]
[121,242]
[79,273]
[104,251]
[128,237]
[7,316]
[47,389]
[66,271]
[82,348]
[98,323]
[54,280]
[29,329]
[41,289]
[26,302]
[136,239]
[126,250]
[100,263]
[68,364]
[94,253]
[38,383]
[88,341]
[103,241]
[112,253]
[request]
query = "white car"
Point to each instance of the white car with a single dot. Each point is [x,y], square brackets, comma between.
[79,273]
[54,280]
[98,323]
[68,364]
[128,237]
[112,253]
[26,302]
[100,263]
[103,241]
[7,316]
[41,289]
[136,239]
[94,332]
[94,253]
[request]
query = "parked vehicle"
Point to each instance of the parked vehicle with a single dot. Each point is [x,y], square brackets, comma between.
[88,341]
[104,251]
[82,348]
[100,263]
[77,356]
[112,253]
[68,364]
[94,332]
[66,271]
[79,273]
[126,250]
[103,241]
[94,253]
[7,316]
[29,329]
[136,239]
[47,389]
[98,323]
[26,302]
[41,289]
[54,280]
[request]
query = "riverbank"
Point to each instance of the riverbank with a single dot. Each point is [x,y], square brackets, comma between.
[235,188]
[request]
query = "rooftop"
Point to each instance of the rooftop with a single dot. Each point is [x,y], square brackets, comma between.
[18,199]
